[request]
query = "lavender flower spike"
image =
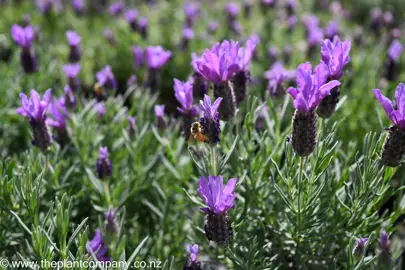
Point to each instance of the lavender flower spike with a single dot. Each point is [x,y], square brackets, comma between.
[106,78]
[310,92]
[59,115]
[184,94]
[209,122]
[385,255]
[218,66]
[78,6]
[97,246]
[156,57]
[35,110]
[277,75]
[193,263]
[242,76]
[24,37]
[360,247]
[392,62]
[104,166]
[143,27]
[74,44]
[111,224]
[219,199]
[336,57]
[394,146]
[71,71]
[160,114]
[131,18]
[138,57]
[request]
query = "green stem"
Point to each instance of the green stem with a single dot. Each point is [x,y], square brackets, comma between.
[299,208]
[213,161]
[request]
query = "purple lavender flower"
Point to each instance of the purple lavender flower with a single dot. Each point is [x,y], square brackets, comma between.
[360,247]
[78,6]
[332,29]
[106,78]
[97,246]
[212,26]
[209,122]
[111,224]
[187,35]
[232,9]
[71,71]
[314,32]
[247,8]
[218,198]
[376,20]
[58,114]
[138,56]
[336,56]
[397,115]
[260,122]
[156,57]
[100,109]
[277,75]
[143,27]
[24,37]
[273,54]
[103,166]
[193,263]
[219,64]
[388,18]
[291,6]
[311,88]
[44,6]
[74,44]
[395,50]
[184,94]
[116,8]
[70,99]
[131,125]
[109,36]
[291,22]
[160,116]
[131,18]
[35,110]
[131,81]
[385,255]
[268,3]
[191,10]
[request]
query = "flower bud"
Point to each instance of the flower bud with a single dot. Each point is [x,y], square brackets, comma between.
[227,109]
[304,133]
[393,150]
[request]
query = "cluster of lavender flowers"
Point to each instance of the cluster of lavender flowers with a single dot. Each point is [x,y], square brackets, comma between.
[384,255]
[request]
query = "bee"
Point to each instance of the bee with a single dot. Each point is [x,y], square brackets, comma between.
[196,131]
[98,89]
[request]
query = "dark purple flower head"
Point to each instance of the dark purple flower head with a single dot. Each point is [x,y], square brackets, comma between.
[255,39]
[143,23]
[397,115]
[188,33]
[58,114]
[210,111]
[103,166]
[311,88]
[132,80]
[156,57]
[276,76]
[273,53]
[292,22]
[73,38]
[109,35]
[314,32]
[131,15]
[395,50]
[217,197]
[332,29]
[245,54]
[193,263]
[96,246]
[78,5]
[105,77]
[116,8]
[111,224]
[44,5]
[23,36]
[138,55]
[100,109]
[191,10]
[220,63]
[69,98]
[34,108]
[160,111]
[384,241]
[212,26]
[336,56]
[131,125]
[71,70]
[360,247]
[232,9]
[184,94]
[269,3]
